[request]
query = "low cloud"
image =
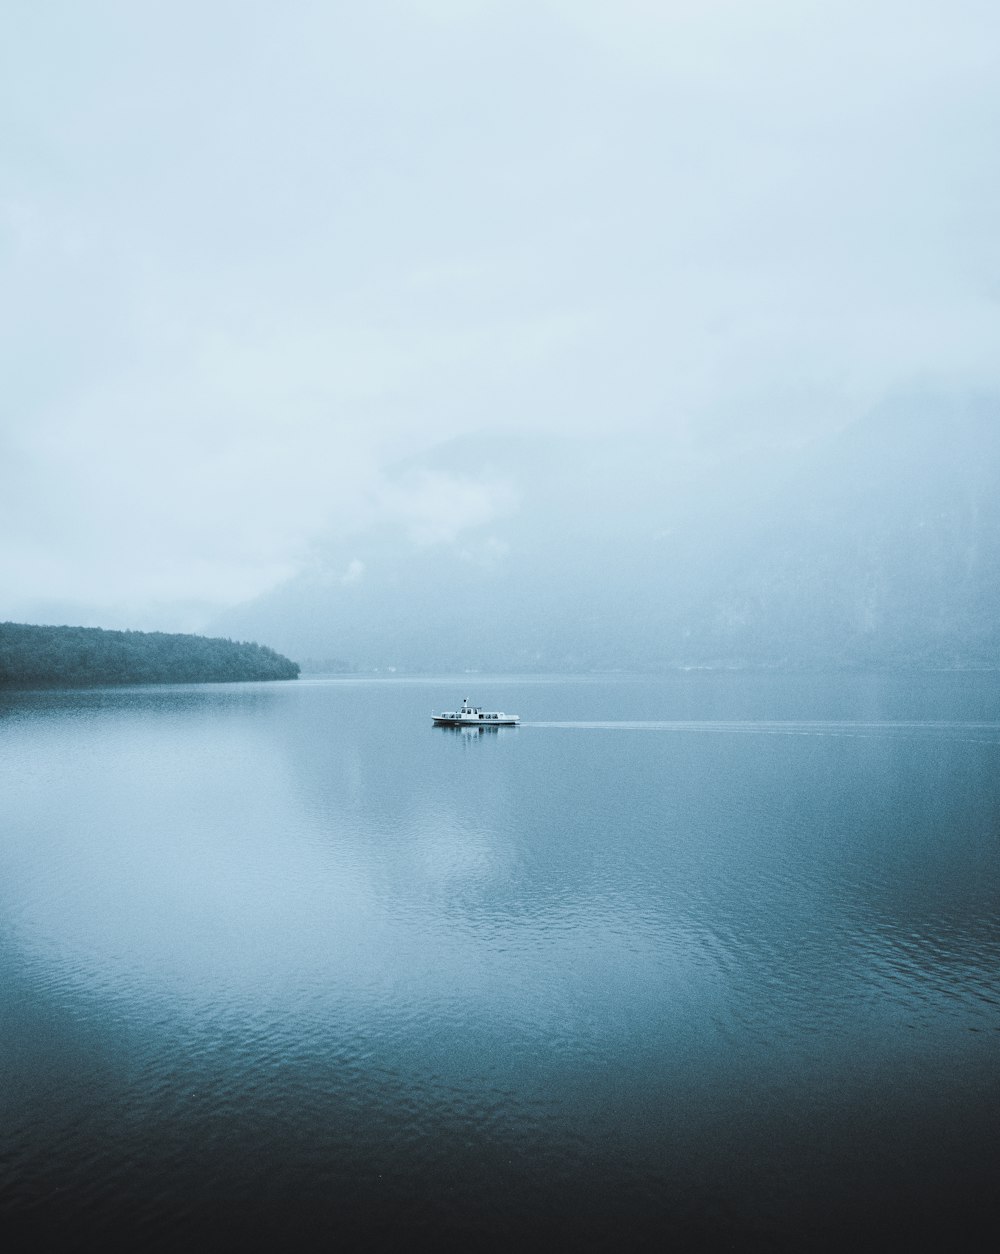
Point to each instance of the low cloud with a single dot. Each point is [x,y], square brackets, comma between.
[437,508]
[231,313]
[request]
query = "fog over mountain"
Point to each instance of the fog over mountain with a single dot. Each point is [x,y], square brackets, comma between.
[877,545]
[451,333]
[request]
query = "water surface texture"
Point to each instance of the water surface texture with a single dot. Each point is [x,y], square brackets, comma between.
[707,962]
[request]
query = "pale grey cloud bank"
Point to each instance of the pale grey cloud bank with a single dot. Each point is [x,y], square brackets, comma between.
[256,257]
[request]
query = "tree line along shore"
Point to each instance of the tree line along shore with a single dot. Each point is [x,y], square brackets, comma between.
[83,657]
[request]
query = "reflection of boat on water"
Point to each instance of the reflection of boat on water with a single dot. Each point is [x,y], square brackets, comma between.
[474,716]
[471,732]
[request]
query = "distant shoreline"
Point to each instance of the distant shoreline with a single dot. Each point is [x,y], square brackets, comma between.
[395,672]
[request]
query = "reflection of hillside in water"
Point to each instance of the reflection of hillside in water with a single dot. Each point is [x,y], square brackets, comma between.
[386,789]
[710,886]
[701,802]
[331,817]
[331,858]
[647,947]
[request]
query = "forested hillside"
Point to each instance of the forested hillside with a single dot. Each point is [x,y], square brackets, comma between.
[55,657]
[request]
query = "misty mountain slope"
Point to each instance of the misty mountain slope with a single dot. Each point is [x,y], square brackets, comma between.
[590,552]
[886,552]
[877,546]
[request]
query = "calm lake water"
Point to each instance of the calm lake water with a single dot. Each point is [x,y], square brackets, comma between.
[706,962]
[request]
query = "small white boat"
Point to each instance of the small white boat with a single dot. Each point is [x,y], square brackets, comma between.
[473,716]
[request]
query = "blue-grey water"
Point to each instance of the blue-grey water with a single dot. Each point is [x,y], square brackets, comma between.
[702,962]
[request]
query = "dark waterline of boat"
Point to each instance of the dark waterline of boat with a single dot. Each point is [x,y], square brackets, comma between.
[707,962]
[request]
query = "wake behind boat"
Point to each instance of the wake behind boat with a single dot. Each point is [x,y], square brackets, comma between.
[473,716]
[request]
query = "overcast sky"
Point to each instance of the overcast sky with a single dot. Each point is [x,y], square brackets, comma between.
[253,254]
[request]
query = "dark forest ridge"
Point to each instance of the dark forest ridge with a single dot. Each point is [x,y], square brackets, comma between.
[83,657]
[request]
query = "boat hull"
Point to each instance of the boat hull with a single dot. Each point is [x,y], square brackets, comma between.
[508,720]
